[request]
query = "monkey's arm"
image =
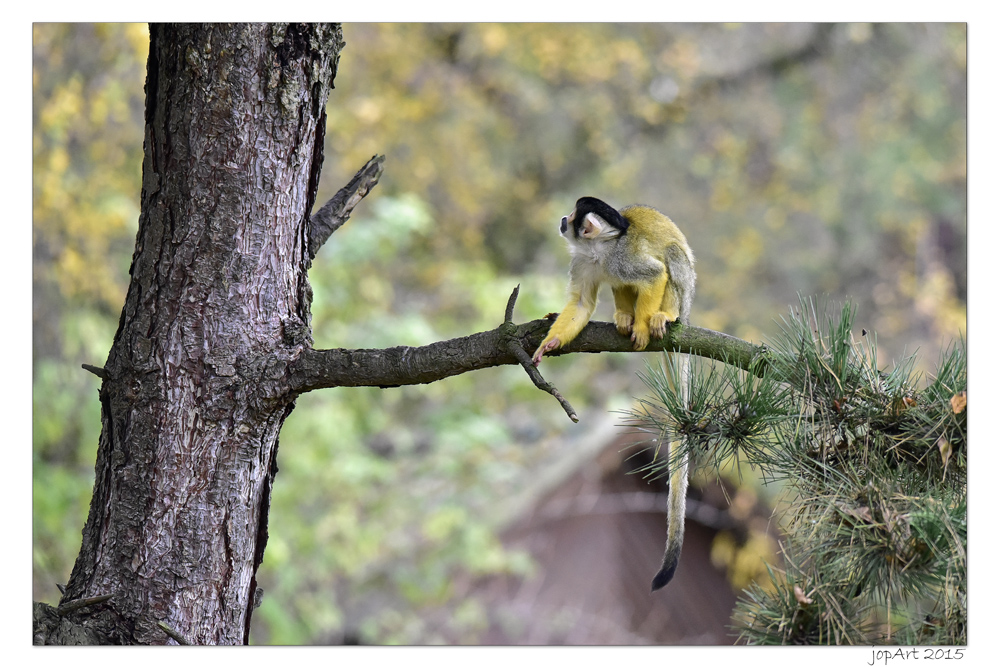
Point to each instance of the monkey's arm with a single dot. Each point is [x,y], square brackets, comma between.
[624,308]
[572,320]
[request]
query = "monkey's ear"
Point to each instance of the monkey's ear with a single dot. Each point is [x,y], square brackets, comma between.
[593,225]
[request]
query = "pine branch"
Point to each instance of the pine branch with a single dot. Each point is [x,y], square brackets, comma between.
[874,468]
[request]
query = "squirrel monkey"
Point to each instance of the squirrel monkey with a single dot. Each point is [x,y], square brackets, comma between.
[645,258]
[641,254]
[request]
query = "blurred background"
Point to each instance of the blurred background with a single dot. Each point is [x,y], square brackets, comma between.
[821,159]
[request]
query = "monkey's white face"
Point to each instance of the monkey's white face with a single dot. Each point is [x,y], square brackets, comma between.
[592,228]
[566,221]
[588,243]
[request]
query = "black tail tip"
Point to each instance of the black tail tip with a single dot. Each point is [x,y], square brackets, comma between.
[663,578]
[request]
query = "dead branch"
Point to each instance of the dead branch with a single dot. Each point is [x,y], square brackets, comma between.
[335,212]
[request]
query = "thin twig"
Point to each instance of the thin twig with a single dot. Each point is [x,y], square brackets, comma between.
[509,313]
[514,347]
[96,370]
[173,634]
[64,609]
[335,212]
[539,381]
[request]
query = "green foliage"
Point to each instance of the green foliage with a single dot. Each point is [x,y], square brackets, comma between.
[87,150]
[779,618]
[86,153]
[729,416]
[874,470]
[66,424]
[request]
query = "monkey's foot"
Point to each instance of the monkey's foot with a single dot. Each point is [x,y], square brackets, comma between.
[546,346]
[640,338]
[623,321]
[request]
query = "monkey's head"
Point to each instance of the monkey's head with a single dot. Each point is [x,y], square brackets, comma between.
[592,219]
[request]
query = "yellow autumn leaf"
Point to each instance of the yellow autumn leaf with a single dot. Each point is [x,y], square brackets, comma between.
[944,446]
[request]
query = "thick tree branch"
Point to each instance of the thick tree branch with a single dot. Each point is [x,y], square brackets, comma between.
[335,212]
[397,366]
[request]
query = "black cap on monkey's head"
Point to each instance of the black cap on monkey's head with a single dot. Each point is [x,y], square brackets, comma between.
[585,205]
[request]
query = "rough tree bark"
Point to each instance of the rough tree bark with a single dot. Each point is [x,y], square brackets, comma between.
[193,395]
[214,340]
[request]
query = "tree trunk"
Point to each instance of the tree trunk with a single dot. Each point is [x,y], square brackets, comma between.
[195,388]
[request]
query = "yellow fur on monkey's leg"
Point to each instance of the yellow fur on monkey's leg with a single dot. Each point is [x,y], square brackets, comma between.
[669,312]
[570,322]
[649,320]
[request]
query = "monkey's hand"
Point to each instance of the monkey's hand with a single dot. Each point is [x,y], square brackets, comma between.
[550,343]
[623,322]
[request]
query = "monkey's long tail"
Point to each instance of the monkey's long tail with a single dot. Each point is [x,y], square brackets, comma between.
[677,497]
